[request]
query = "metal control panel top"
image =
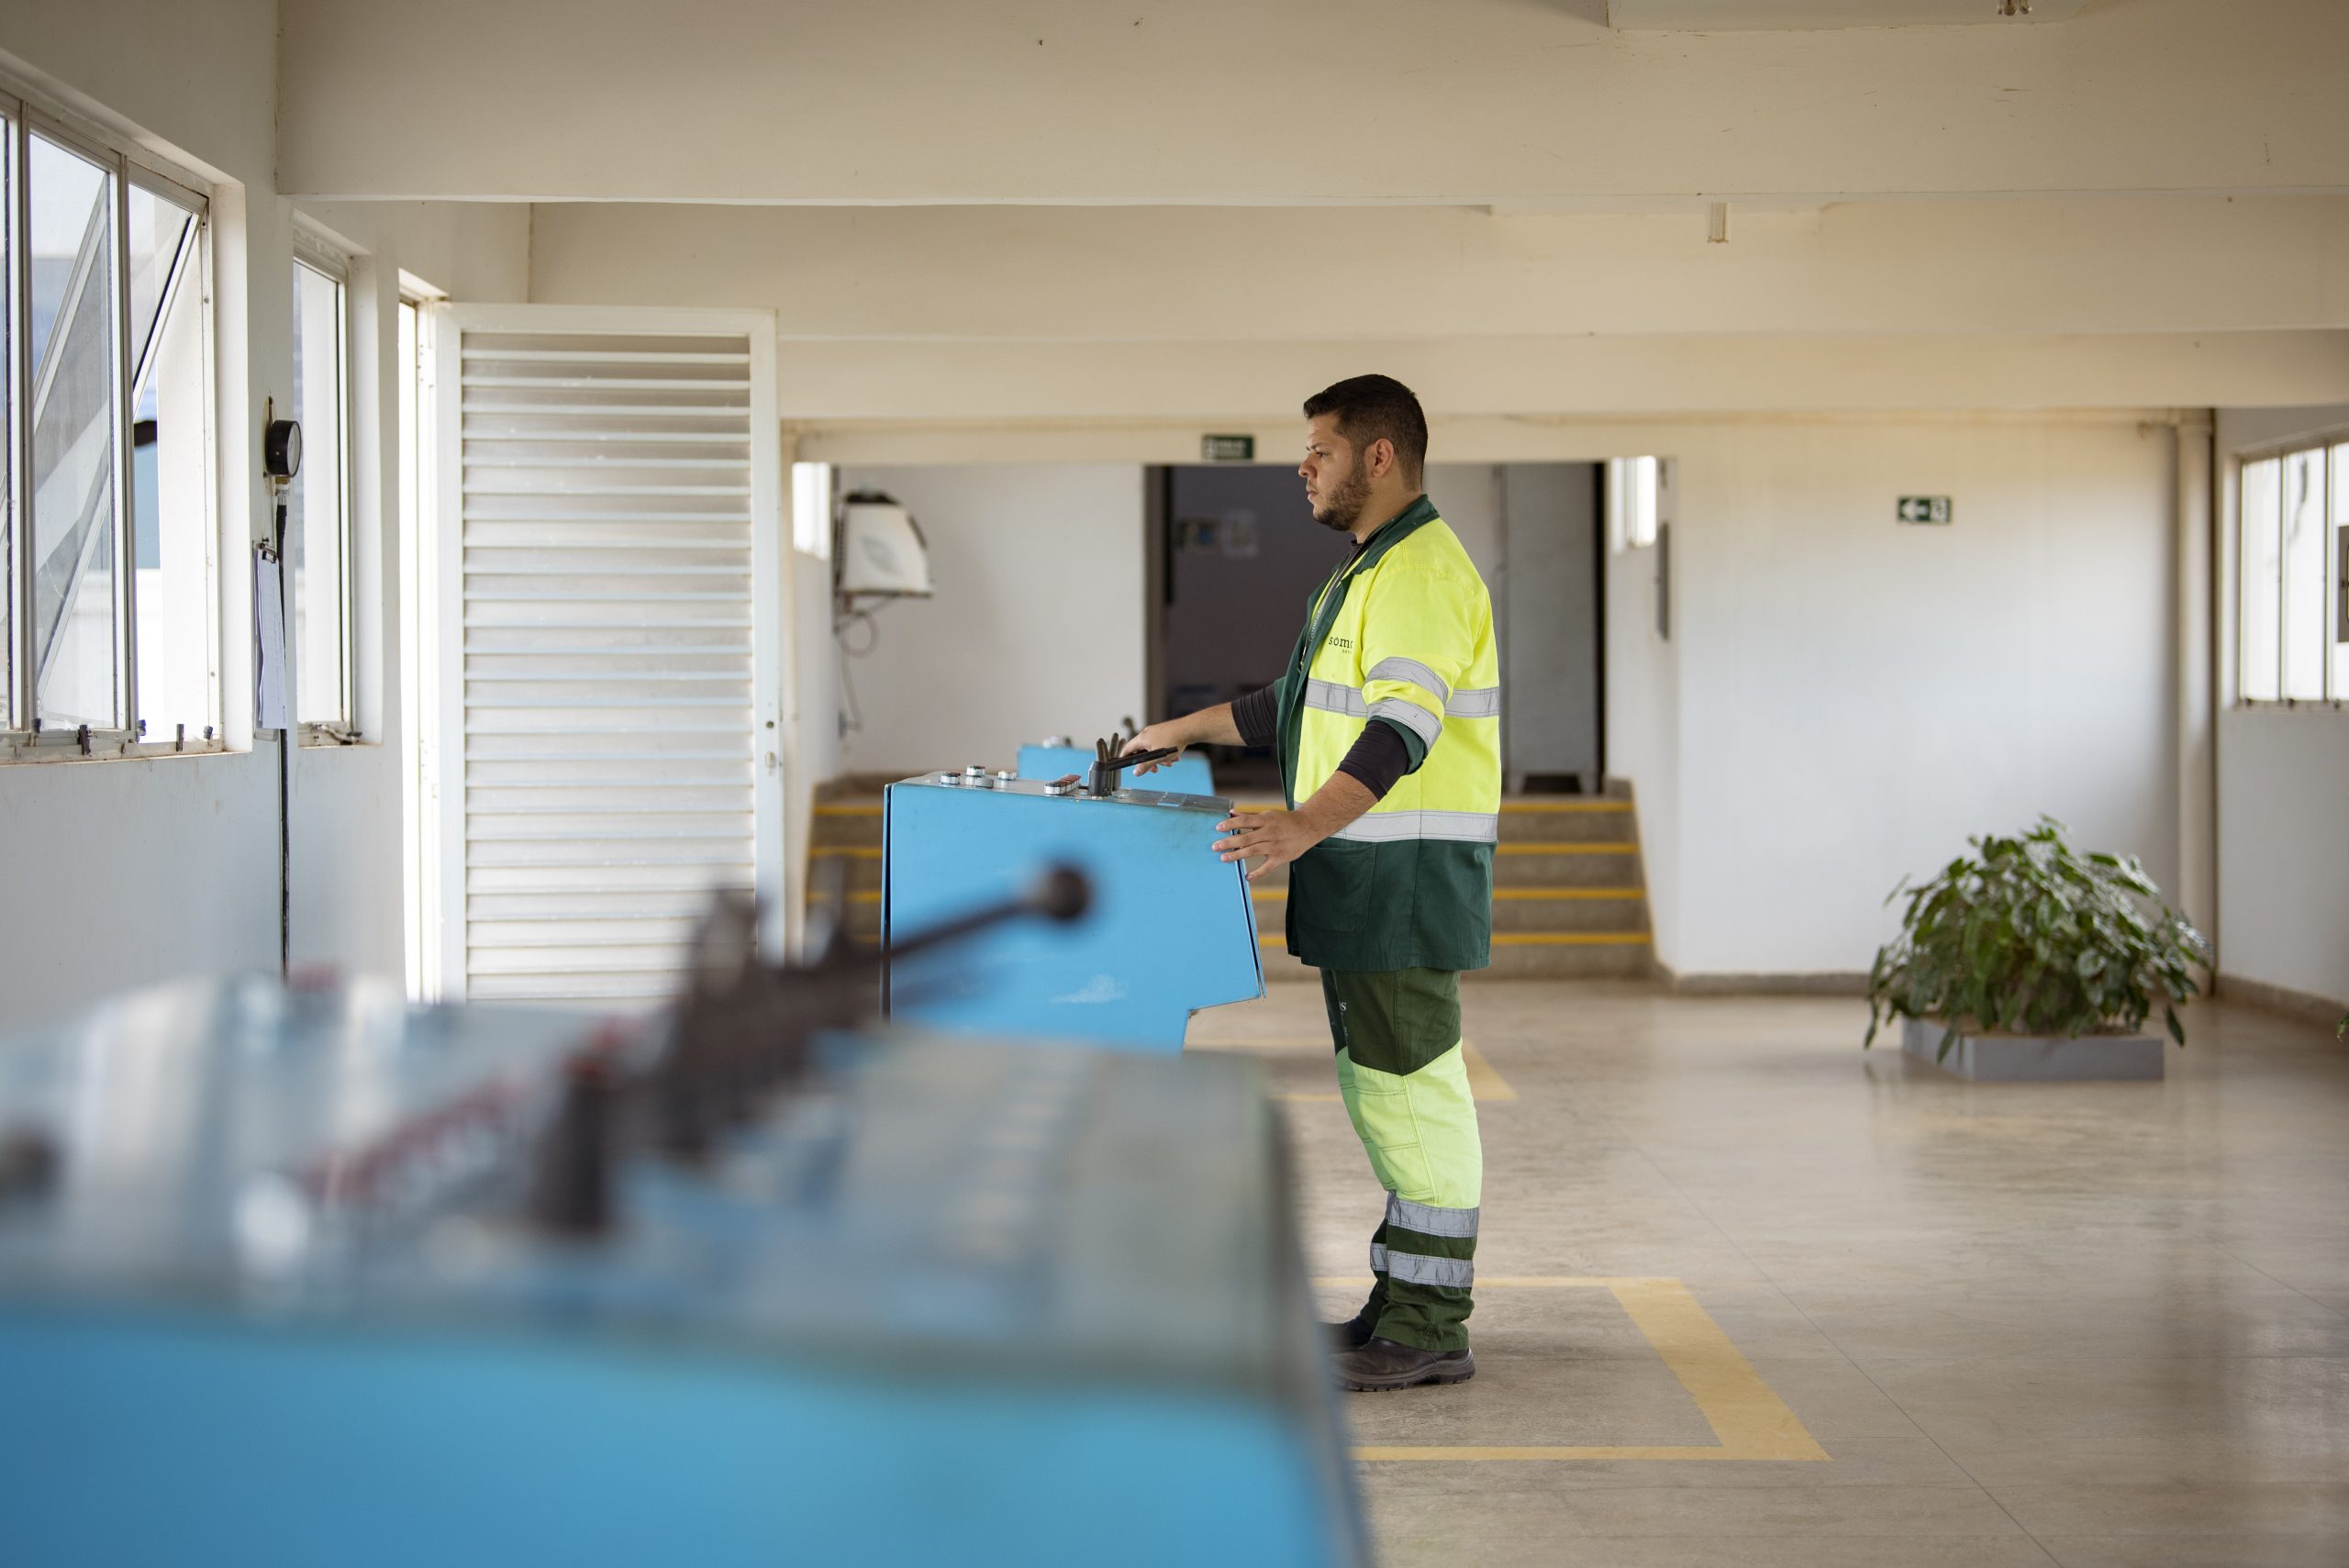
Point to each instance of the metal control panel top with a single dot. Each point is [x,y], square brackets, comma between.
[1050,789]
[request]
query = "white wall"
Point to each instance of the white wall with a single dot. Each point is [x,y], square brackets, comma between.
[1642,699]
[819,669]
[2283,831]
[138,870]
[1858,698]
[1036,627]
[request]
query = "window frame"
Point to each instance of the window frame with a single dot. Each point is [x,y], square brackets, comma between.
[323,256]
[2327,446]
[23,737]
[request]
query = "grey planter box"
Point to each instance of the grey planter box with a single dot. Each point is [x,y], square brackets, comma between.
[2006,1059]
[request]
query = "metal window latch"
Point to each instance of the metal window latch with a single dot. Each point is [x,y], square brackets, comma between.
[179,742]
[82,739]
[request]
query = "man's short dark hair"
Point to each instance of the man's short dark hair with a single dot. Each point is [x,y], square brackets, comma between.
[1376,407]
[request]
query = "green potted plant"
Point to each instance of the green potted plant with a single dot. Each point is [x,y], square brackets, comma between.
[2030,960]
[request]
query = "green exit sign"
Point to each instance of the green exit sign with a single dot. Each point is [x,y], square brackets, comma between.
[1924,509]
[1227,448]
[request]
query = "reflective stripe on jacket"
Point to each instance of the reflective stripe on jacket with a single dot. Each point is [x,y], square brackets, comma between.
[1403,633]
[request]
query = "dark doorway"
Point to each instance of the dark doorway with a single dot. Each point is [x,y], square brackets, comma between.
[1239,556]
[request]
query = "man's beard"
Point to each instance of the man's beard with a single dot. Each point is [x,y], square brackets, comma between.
[1342,509]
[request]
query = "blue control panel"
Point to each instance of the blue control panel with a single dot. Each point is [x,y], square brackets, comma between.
[1186,774]
[1170,931]
[273,1292]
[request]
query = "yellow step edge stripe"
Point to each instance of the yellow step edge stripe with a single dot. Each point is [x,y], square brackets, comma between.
[854,851]
[1569,939]
[1624,849]
[874,810]
[1607,806]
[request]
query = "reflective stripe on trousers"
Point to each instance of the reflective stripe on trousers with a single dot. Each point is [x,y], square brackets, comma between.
[1428,1220]
[1440,1273]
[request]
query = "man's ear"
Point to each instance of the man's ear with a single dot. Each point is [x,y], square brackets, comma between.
[1379,458]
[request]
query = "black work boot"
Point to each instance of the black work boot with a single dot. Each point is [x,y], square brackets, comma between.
[1382,1364]
[1353,1333]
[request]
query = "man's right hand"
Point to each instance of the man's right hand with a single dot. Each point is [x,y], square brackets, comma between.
[1173,735]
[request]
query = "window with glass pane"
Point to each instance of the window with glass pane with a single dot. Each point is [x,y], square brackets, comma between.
[73,592]
[2262,569]
[170,534]
[317,533]
[2306,634]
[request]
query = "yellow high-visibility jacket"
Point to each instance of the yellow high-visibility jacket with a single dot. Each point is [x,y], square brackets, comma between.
[1402,634]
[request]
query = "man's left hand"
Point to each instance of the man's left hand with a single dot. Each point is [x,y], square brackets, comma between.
[1275,836]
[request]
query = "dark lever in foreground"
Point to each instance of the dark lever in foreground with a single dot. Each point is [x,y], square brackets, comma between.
[1108,764]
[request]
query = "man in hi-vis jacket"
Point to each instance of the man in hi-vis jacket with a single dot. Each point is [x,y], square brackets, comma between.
[1387,725]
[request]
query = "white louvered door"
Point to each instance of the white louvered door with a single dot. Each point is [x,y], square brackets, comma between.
[609,648]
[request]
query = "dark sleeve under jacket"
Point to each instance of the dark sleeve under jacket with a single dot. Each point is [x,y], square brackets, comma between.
[1377,759]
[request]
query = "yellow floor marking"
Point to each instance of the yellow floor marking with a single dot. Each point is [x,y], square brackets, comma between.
[874,810]
[1569,939]
[1577,849]
[1752,1421]
[1565,806]
[854,851]
[1504,895]
[1484,1082]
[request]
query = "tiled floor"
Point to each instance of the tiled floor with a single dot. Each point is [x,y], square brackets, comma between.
[2089,1325]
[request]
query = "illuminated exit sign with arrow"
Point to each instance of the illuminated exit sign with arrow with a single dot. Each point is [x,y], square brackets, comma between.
[1924,509]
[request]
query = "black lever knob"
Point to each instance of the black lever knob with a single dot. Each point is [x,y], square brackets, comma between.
[1062,893]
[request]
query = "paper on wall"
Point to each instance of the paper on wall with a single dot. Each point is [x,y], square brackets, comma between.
[270,700]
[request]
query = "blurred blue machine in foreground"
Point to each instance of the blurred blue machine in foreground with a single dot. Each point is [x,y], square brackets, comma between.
[292,1279]
[1172,929]
[1186,774]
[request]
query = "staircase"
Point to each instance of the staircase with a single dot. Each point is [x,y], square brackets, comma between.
[1568,899]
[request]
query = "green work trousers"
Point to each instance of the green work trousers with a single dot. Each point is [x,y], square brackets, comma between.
[1401,1071]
